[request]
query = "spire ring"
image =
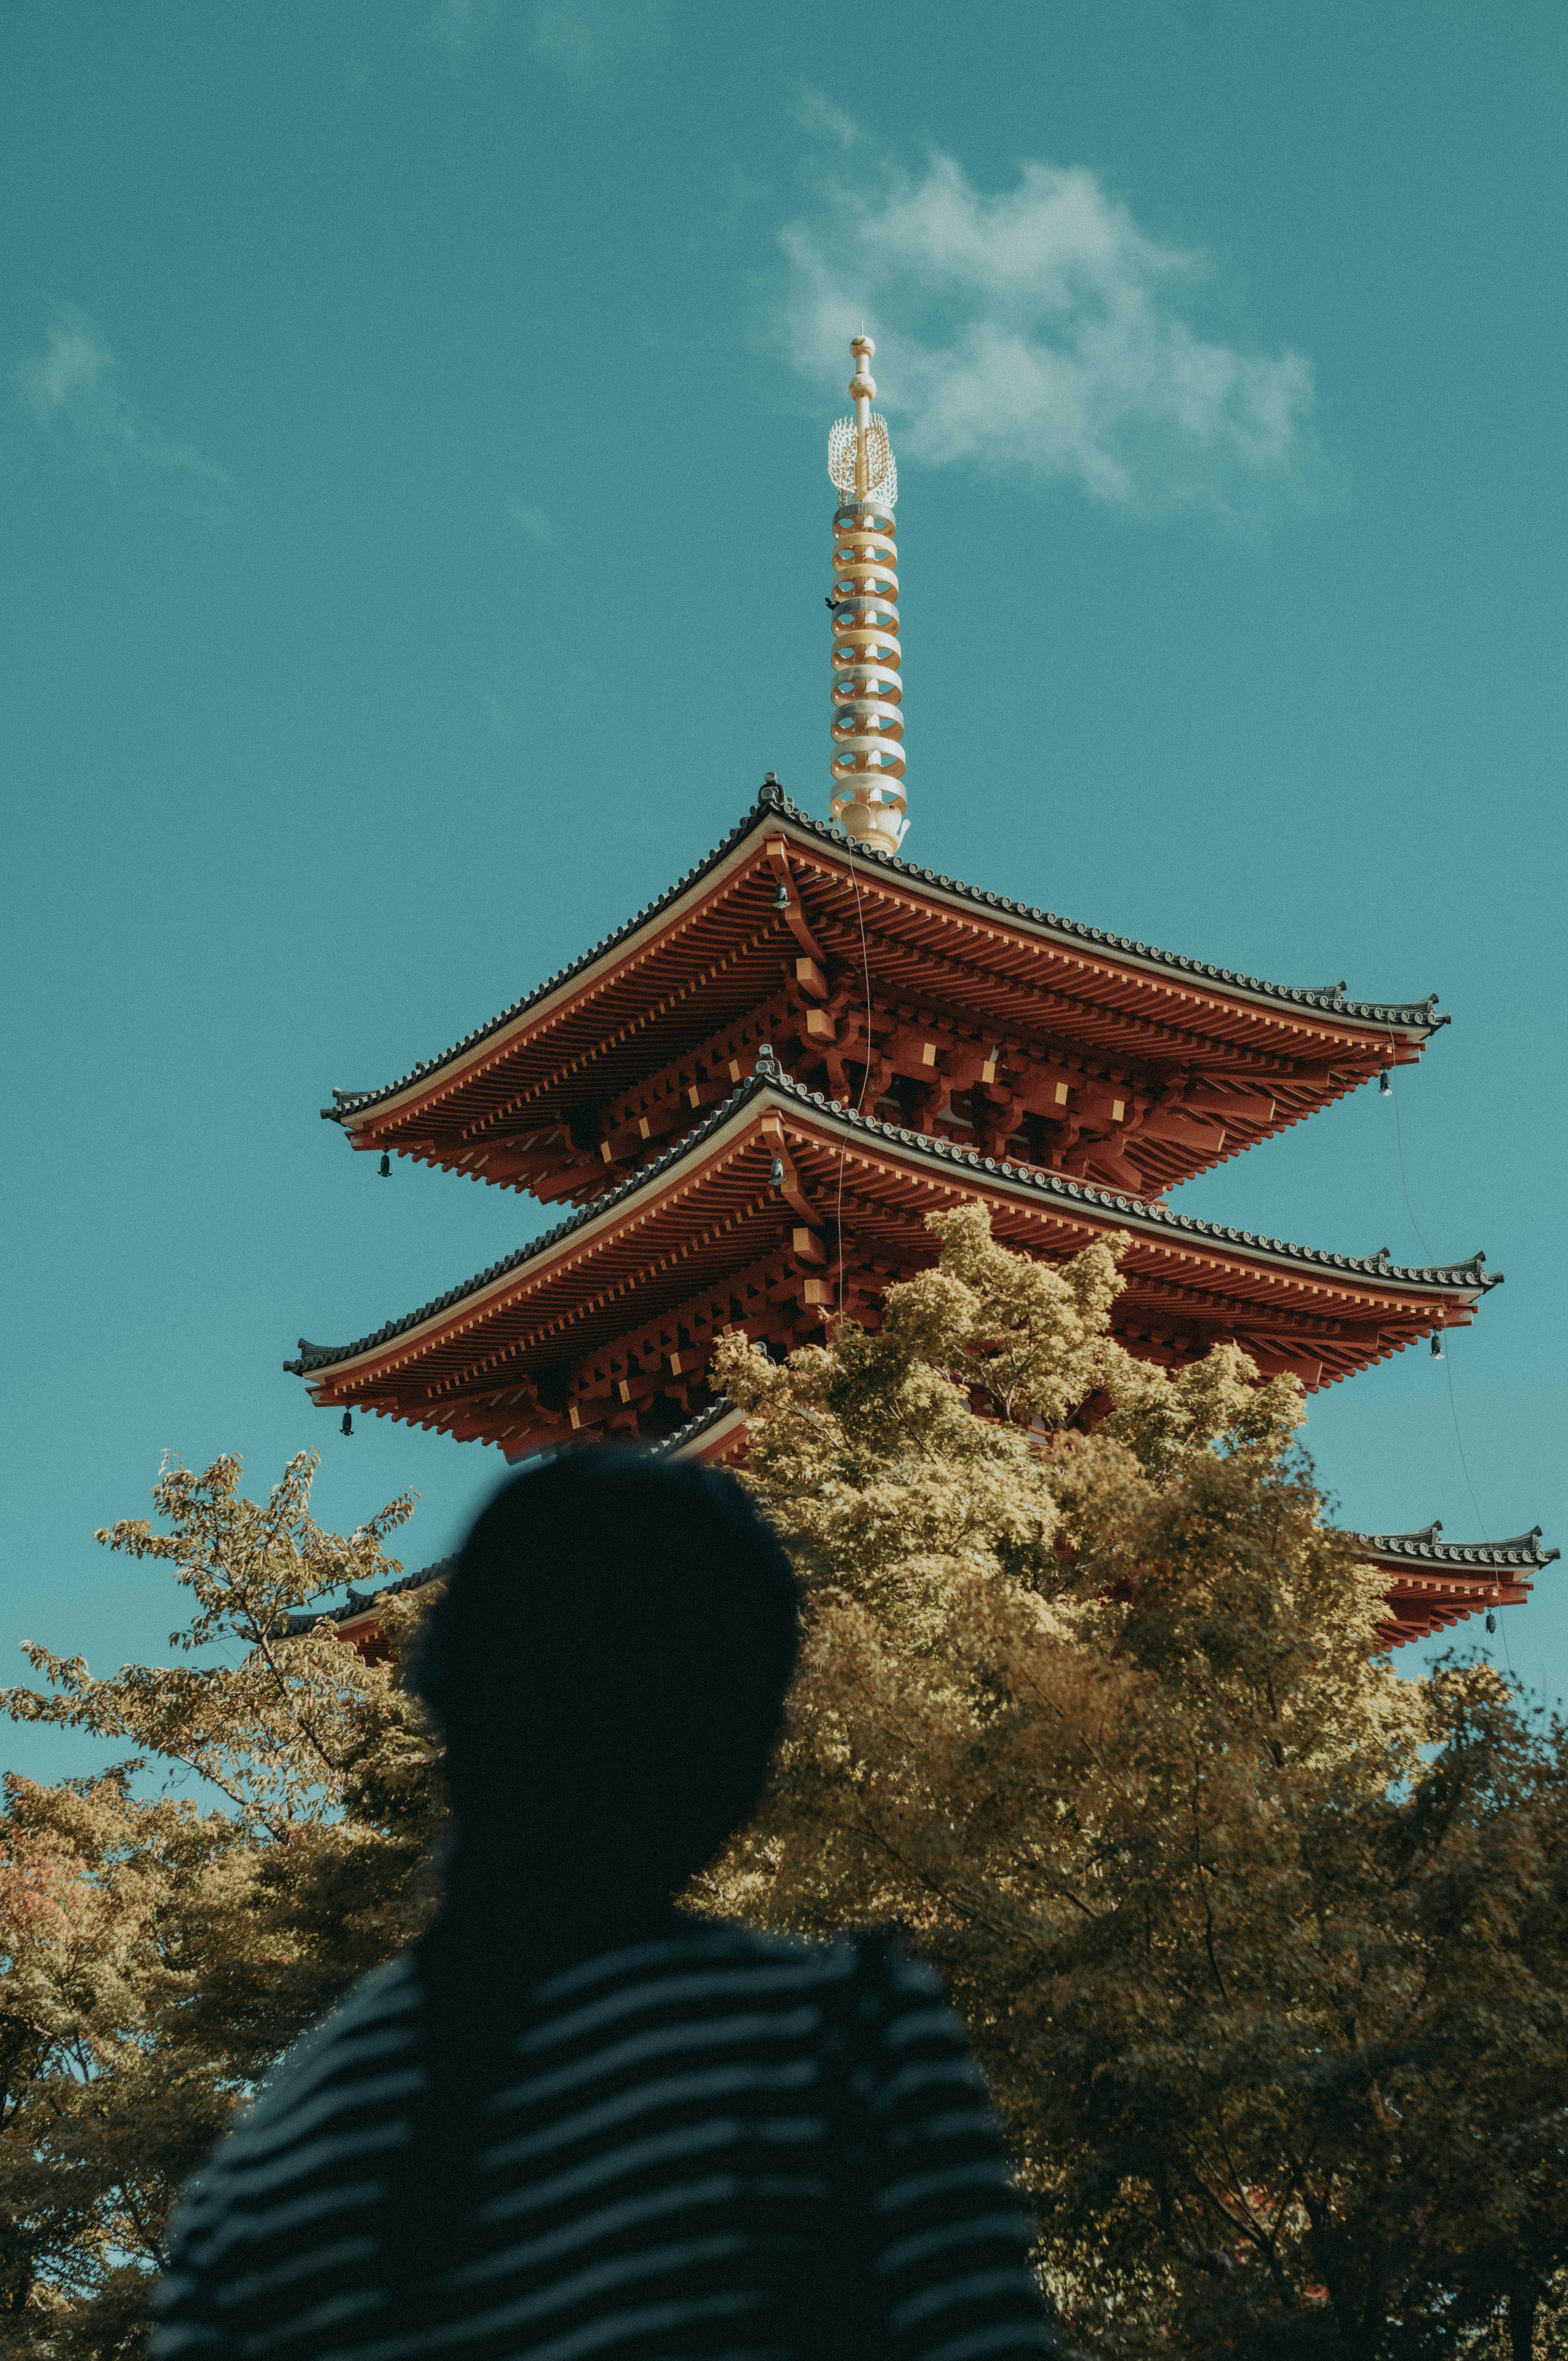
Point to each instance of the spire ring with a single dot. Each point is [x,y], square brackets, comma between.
[867,732]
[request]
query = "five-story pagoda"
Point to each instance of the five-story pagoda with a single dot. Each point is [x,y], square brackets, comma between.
[752,1094]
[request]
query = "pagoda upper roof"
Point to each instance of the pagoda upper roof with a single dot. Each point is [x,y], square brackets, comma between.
[711,945]
[658,1191]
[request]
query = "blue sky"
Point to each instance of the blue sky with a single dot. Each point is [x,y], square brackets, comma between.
[413,418]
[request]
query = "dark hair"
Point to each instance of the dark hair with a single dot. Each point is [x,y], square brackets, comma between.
[609,1664]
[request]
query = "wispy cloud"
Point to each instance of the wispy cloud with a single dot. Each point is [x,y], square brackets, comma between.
[820,119]
[460,26]
[69,389]
[1039,329]
[588,40]
[531,522]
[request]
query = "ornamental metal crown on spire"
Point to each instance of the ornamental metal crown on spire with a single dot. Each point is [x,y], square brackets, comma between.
[868,724]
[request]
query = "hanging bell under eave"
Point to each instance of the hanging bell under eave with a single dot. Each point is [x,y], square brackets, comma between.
[781,899]
[1491,1621]
[386,1166]
[777,1174]
[1436,1347]
[1384,1085]
[347,1426]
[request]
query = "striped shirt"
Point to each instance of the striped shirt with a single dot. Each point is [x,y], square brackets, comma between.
[716,2146]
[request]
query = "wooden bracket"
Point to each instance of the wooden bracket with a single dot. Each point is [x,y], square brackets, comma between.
[795,916]
[788,1187]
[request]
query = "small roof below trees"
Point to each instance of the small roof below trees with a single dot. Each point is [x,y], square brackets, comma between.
[1425,1547]
[1434,1584]
[1463,1578]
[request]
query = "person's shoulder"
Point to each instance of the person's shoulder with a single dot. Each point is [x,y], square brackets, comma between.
[701,1953]
[875,1958]
[886,1959]
[730,1938]
[721,1955]
[805,1959]
[865,1975]
[375,2017]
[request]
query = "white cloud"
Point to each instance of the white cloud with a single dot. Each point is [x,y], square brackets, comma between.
[1040,329]
[69,390]
[533,522]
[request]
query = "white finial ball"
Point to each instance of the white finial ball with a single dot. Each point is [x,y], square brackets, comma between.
[863,347]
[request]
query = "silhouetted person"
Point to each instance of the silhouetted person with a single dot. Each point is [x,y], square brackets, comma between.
[571,2121]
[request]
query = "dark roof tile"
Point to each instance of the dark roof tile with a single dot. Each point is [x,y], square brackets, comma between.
[359,1602]
[718,1408]
[1424,1547]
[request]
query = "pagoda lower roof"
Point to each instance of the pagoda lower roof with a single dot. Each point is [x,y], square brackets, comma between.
[716,1433]
[1433,1583]
[557,1312]
[358,1619]
[788,899]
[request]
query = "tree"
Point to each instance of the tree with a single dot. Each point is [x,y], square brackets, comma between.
[1264,1948]
[157,1954]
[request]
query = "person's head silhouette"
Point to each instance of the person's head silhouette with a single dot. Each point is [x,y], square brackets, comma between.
[608,1665]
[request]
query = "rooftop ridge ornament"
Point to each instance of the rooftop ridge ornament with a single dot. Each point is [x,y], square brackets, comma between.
[868,724]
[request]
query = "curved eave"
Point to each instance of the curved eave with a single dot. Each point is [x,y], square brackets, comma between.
[1371,1025]
[1521,1554]
[633,1232]
[716,1433]
[358,1617]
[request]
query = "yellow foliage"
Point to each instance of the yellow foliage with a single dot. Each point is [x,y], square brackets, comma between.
[1265,1950]
[1092,1702]
[157,1955]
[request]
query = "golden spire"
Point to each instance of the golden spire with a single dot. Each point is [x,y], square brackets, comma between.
[868,727]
